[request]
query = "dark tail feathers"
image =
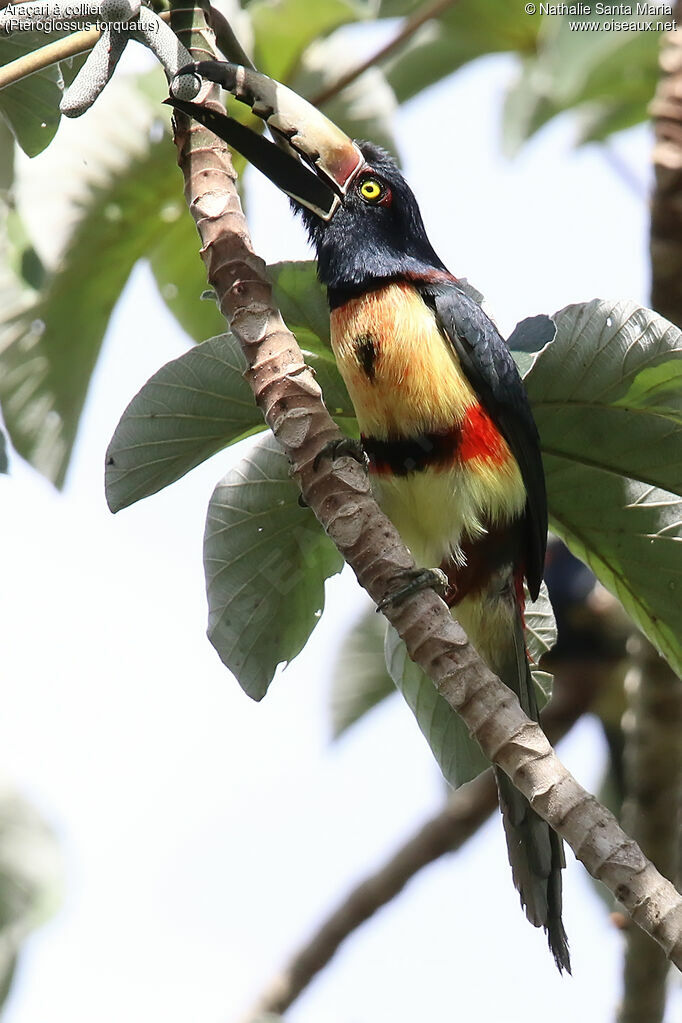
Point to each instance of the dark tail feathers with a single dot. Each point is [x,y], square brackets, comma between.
[536,856]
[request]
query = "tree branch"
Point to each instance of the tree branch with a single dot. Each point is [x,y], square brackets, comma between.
[340,497]
[653,778]
[666,205]
[412,24]
[464,812]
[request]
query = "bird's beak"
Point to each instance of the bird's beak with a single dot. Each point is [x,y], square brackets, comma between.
[314,162]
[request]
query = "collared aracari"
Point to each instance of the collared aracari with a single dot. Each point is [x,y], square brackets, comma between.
[453,451]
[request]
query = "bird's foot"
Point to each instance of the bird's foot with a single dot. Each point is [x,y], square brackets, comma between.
[342,447]
[412,581]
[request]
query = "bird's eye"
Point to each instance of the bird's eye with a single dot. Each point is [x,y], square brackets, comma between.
[371,190]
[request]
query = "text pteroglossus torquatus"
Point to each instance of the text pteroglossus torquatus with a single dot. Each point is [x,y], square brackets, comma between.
[453,451]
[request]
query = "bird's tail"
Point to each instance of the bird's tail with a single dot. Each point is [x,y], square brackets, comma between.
[493,622]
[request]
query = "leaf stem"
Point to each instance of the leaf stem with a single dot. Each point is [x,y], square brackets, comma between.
[413,23]
[37,60]
[58,49]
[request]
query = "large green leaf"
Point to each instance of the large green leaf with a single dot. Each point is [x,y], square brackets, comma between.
[630,535]
[127,208]
[360,680]
[607,393]
[31,105]
[190,409]
[49,353]
[467,30]
[607,398]
[284,28]
[458,755]
[266,560]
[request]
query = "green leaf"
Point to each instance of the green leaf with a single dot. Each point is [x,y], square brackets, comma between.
[607,398]
[191,408]
[31,105]
[607,392]
[4,460]
[49,353]
[630,535]
[129,209]
[459,757]
[360,680]
[302,302]
[266,560]
[541,635]
[6,156]
[180,272]
[397,8]
[596,122]
[467,30]
[610,77]
[284,28]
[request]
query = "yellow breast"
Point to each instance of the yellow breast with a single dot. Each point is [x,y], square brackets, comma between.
[405,380]
[402,375]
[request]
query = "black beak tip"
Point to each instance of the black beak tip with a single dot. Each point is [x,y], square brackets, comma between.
[188,69]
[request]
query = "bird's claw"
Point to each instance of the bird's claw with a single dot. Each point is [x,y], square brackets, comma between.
[342,447]
[412,581]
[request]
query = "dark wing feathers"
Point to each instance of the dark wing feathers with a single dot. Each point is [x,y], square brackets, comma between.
[491,370]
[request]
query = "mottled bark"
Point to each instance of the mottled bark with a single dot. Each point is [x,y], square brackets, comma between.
[653,779]
[666,206]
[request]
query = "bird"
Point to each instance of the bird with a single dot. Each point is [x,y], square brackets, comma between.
[445,424]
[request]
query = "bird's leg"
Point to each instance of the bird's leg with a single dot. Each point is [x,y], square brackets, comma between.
[412,580]
[342,447]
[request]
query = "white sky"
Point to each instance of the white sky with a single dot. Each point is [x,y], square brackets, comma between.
[204,835]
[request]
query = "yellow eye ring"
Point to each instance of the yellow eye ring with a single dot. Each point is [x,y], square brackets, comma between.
[371,190]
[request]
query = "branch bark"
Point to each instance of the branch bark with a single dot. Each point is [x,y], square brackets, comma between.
[666,206]
[653,778]
[339,495]
[463,814]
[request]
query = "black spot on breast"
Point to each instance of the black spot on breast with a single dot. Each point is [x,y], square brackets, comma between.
[366,354]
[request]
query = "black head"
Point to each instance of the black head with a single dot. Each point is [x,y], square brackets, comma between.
[376,234]
[360,212]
